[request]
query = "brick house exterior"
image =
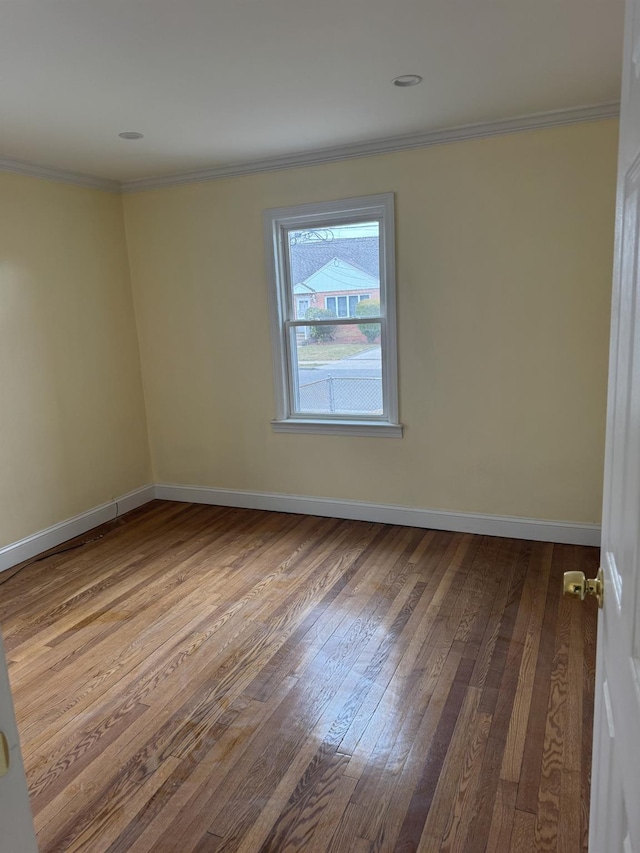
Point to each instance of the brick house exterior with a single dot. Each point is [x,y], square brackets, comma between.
[338,286]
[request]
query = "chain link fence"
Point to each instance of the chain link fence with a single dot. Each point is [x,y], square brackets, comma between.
[342,395]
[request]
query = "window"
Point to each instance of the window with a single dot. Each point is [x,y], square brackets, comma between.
[331,271]
[338,305]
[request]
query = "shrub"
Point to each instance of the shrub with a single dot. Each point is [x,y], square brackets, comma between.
[369,308]
[320,334]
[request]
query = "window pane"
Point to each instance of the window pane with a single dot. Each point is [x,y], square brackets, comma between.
[338,369]
[334,267]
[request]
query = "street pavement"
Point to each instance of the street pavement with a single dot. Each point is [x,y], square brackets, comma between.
[366,363]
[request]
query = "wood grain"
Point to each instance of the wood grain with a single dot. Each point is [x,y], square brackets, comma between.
[194,679]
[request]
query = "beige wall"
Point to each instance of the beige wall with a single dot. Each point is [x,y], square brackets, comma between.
[72,421]
[504,254]
[504,267]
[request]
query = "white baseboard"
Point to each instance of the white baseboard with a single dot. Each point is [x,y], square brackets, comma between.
[134,499]
[33,545]
[571,533]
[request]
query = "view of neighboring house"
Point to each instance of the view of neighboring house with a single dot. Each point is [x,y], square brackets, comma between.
[352,383]
[337,286]
[335,271]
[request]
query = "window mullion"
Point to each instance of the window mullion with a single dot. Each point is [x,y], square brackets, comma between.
[335,321]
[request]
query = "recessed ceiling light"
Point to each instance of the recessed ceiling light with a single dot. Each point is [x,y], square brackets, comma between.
[407,80]
[131,134]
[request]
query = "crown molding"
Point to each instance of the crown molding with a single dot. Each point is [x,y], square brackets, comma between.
[517,124]
[532,121]
[18,167]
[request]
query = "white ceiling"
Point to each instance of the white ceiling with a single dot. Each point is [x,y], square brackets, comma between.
[213,82]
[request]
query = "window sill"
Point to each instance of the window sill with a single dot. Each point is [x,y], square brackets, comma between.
[325,427]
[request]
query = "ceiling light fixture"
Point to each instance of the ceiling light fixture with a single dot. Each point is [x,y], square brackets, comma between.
[131,134]
[407,80]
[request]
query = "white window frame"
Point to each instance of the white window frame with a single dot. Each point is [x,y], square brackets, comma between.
[277,223]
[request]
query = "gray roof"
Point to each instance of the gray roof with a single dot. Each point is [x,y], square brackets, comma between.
[307,258]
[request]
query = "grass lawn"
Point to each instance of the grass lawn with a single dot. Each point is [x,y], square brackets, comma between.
[329,352]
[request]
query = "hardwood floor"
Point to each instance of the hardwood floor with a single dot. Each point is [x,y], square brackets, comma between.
[209,679]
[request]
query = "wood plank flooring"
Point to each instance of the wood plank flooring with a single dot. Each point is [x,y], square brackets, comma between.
[206,679]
